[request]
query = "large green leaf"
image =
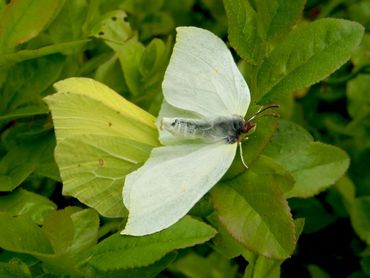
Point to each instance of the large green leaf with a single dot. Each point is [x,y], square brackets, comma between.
[23,202]
[121,252]
[315,166]
[307,55]
[20,21]
[101,137]
[254,211]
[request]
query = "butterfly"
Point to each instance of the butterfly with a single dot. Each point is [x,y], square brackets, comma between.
[201,123]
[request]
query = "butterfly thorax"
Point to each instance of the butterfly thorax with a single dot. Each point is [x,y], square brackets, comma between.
[227,129]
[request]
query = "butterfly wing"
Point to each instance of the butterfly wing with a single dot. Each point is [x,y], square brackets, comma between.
[169,184]
[202,76]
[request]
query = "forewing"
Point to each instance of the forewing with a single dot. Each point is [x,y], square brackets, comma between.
[202,76]
[169,184]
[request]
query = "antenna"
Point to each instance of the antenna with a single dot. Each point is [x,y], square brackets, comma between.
[263,109]
[241,154]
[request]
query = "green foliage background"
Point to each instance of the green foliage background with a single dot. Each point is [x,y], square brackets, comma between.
[301,210]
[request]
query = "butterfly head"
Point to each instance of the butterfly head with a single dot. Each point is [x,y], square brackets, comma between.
[250,125]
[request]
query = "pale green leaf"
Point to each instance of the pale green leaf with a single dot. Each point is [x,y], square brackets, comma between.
[323,46]
[294,148]
[101,137]
[23,202]
[121,252]
[254,211]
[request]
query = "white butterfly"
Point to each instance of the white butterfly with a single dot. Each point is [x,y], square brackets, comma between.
[201,121]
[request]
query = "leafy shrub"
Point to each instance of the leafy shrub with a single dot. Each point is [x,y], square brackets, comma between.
[302,208]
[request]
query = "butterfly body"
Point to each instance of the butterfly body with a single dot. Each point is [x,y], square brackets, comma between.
[225,129]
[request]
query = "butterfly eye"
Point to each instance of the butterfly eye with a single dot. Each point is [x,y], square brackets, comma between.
[174,122]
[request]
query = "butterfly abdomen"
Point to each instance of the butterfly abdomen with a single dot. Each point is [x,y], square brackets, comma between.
[220,129]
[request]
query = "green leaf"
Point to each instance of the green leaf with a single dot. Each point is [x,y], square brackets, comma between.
[13,171]
[15,268]
[72,230]
[294,148]
[61,29]
[86,227]
[260,266]
[254,211]
[113,28]
[243,35]
[24,85]
[307,55]
[28,54]
[20,234]
[317,272]
[223,242]
[58,227]
[101,137]
[143,272]
[358,97]
[121,252]
[359,212]
[361,56]
[313,211]
[365,264]
[23,202]
[193,265]
[155,24]
[278,16]
[20,21]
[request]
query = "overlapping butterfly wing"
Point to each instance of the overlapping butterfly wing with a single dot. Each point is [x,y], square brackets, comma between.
[203,81]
